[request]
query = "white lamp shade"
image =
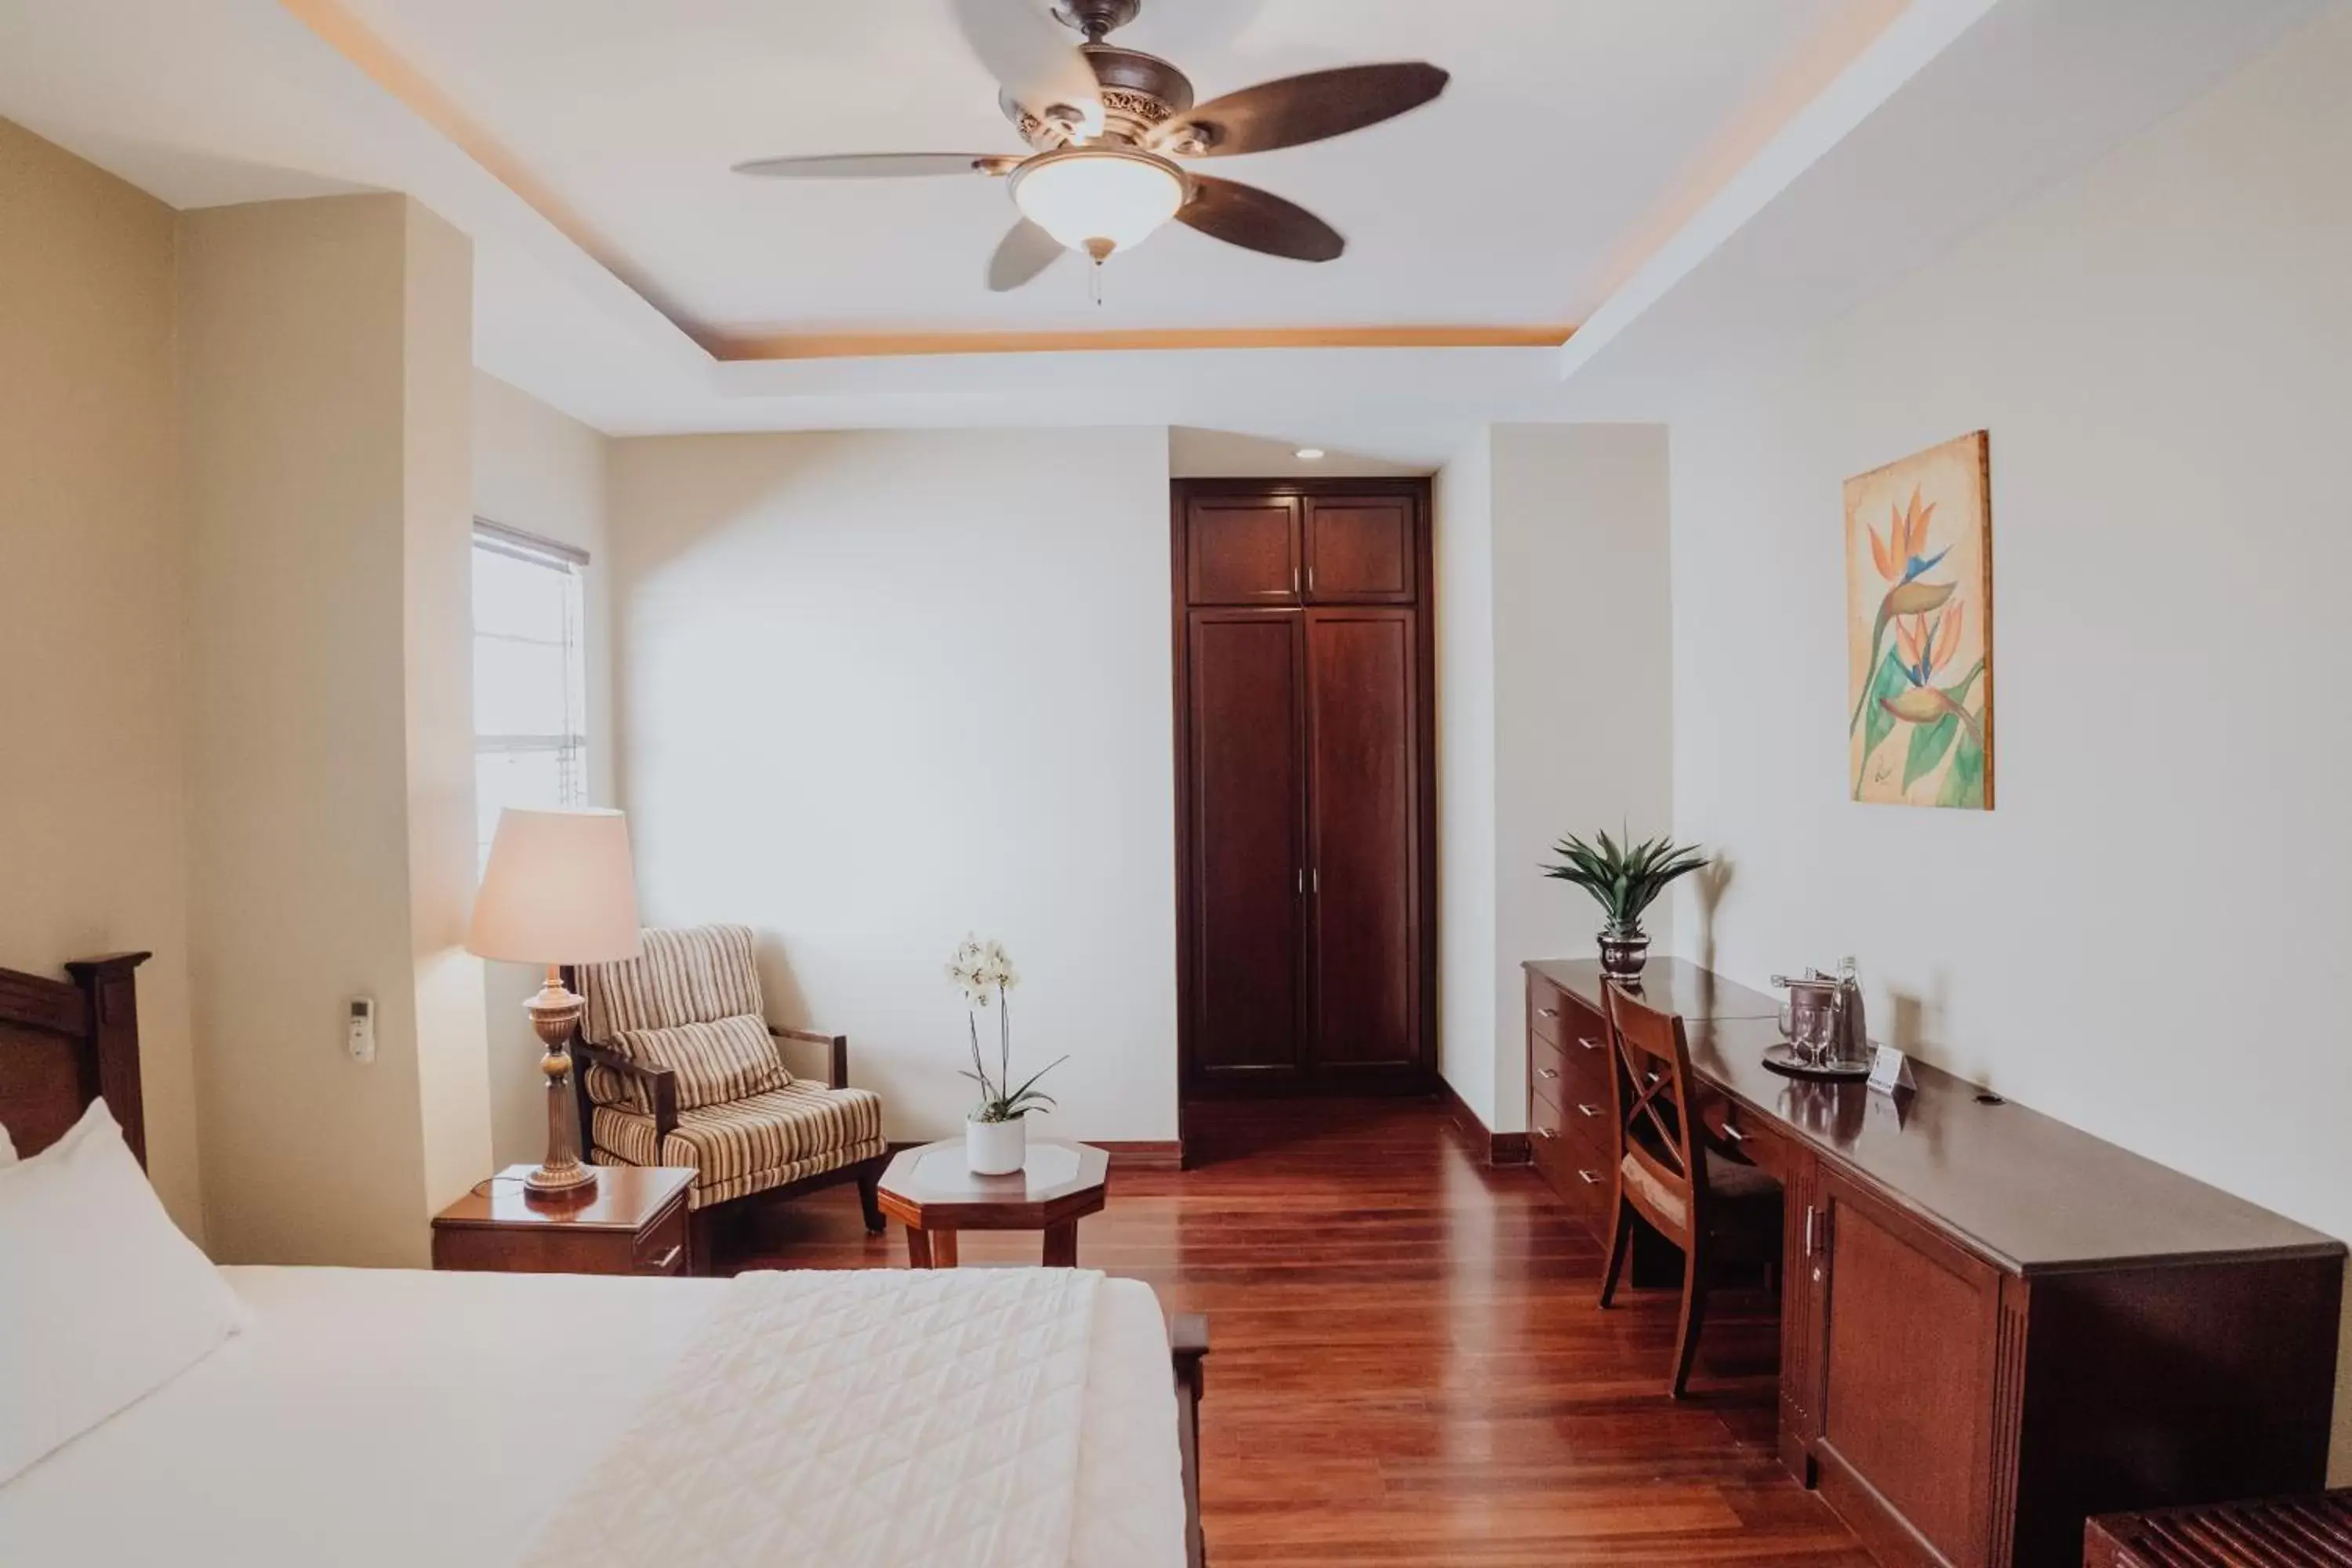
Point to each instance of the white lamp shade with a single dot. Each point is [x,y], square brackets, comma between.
[560,888]
[1088,194]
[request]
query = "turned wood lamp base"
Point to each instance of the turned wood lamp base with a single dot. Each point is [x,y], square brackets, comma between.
[554,1016]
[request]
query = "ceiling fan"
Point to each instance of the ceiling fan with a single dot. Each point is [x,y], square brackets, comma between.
[1107,125]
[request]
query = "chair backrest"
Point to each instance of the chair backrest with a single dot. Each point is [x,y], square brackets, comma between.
[695,974]
[1650,1081]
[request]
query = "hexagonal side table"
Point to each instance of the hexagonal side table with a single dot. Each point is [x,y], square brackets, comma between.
[931,1192]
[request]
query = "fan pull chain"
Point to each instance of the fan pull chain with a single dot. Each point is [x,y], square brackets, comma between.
[1094,282]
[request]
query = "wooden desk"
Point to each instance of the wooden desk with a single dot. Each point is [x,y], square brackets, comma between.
[1994,1324]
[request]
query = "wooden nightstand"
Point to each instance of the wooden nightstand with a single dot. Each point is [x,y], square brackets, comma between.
[636,1223]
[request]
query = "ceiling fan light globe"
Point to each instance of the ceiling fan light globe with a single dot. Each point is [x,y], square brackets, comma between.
[1096,200]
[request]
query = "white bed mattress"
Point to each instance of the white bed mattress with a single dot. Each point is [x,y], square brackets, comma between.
[391,1419]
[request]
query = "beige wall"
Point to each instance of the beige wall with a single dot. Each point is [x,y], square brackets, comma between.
[324,386]
[2146,937]
[93,813]
[883,689]
[437,517]
[543,472]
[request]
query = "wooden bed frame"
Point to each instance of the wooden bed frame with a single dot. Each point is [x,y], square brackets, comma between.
[66,1043]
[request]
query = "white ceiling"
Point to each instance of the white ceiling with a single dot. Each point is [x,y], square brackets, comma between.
[1749,222]
[1505,203]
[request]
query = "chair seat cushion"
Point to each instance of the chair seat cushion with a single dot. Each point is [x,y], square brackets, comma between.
[1728,1182]
[802,1129]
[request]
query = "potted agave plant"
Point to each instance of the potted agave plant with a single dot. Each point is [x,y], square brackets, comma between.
[1624,879]
[995,1132]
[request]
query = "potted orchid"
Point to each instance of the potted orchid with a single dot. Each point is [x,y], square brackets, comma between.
[995,1131]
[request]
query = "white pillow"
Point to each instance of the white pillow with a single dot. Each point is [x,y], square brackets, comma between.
[104,1300]
[8,1150]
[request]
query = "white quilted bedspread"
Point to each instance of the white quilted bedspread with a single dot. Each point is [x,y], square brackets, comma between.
[863,1419]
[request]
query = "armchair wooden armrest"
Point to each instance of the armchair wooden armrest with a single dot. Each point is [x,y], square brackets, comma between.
[660,1084]
[837,1066]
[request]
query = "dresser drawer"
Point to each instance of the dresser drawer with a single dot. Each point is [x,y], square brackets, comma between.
[660,1247]
[1750,1136]
[1570,1149]
[1549,1013]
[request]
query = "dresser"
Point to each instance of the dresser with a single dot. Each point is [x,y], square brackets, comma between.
[1994,1324]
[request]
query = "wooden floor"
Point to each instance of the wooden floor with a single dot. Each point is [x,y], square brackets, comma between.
[1408,1365]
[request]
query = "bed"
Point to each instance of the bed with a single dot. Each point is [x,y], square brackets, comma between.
[378,1418]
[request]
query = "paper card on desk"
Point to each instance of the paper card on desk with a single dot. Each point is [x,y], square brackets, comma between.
[1890,1070]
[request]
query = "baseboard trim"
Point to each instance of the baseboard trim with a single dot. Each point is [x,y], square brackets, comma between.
[1154,1155]
[1495,1148]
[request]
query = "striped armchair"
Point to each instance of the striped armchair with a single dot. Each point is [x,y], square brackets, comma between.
[678,1067]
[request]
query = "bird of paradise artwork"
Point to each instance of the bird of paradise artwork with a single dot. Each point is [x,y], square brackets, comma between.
[1918,573]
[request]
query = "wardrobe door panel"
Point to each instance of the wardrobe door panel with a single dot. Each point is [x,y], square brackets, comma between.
[1242,549]
[1362,729]
[1246,794]
[1360,549]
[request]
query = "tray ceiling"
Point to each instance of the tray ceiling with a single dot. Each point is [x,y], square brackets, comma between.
[1571,136]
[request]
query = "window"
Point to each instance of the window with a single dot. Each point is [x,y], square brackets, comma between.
[530,685]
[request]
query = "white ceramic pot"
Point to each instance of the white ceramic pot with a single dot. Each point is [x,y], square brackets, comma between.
[995,1148]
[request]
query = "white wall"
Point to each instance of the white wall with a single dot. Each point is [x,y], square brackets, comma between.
[2146,937]
[543,472]
[1464,500]
[1583,689]
[93,548]
[881,689]
[324,378]
[1555,693]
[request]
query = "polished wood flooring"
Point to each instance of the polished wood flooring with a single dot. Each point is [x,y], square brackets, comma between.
[1408,1364]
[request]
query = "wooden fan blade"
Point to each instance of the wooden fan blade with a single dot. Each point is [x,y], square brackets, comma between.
[1024,252]
[1258,220]
[1301,108]
[862,165]
[1036,62]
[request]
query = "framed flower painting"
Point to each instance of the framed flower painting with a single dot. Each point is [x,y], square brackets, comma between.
[1919,628]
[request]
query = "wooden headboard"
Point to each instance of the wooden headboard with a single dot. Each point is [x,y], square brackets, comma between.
[63,1044]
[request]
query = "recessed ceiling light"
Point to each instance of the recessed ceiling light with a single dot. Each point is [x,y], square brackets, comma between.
[1310,453]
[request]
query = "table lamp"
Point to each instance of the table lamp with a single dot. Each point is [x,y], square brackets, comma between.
[559,889]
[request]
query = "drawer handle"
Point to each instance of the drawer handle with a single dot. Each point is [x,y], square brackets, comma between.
[662,1264]
[1547,1131]
[1584,1109]
[1588,1042]
[1734,1134]
[1546,1012]
[1590,1179]
[1546,1072]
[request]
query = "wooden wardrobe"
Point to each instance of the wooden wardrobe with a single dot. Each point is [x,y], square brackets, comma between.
[1305,843]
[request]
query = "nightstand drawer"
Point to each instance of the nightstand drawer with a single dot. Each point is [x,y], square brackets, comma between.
[661,1245]
[633,1220]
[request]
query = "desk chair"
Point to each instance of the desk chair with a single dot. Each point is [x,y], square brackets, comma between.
[1717,1210]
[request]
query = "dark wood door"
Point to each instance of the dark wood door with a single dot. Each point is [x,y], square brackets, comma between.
[1363,838]
[1241,550]
[1245,790]
[1909,1327]
[1360,549]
